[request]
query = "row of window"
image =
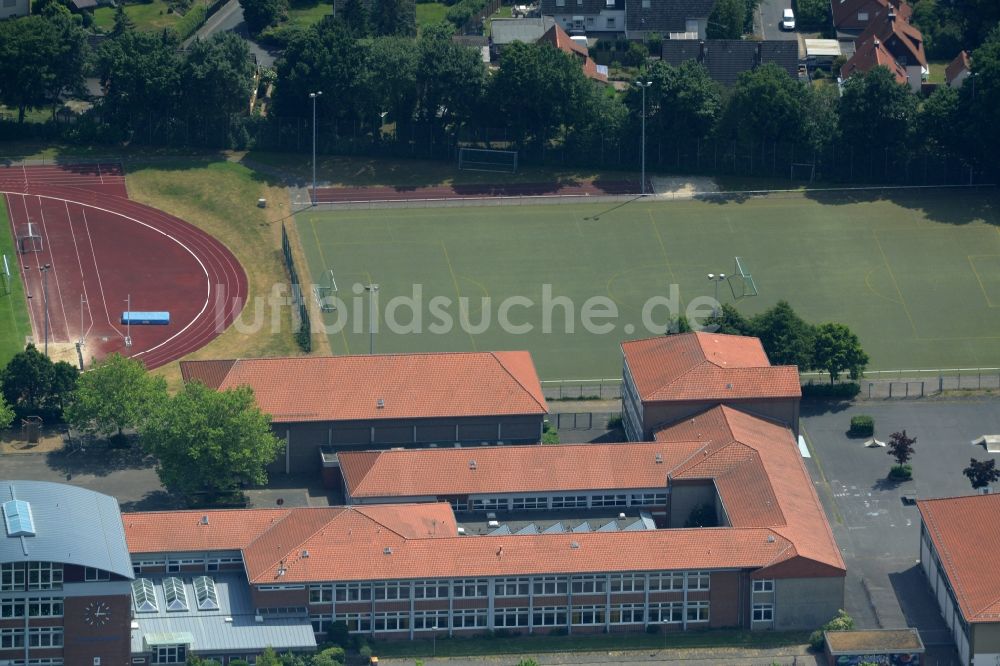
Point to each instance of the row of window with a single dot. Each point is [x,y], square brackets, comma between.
[36,607]
[763,612]
[174,566]
[38,637]
[473,588]
[671,612]
[39,576]
[562,502]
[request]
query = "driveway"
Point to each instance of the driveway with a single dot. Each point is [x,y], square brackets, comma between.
[229,18]
[879,536]
[769,20]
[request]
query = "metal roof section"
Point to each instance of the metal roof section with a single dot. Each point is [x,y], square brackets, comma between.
[17,518]
[234,627]
[67,524]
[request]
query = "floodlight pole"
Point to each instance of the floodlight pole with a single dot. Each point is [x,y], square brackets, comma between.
[45,299]
[82,301]
[313,96]
[716,279]
[128,320]
[372,290]
[643,85]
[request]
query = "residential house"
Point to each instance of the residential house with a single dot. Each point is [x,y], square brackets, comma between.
[506,31]
[558,38]
[14,8]
[871,54]
[958,70]
[854,16]
[895,38]
[634,19]
[726,59]
[320,405]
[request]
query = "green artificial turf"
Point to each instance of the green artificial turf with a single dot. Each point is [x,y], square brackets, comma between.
[917,276]
[15,325]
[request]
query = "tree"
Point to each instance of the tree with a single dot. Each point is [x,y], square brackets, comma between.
[786,337]
[901,447]
[876,112]
[728,320]
[836,349]
[981,473]
[115,394]
[395,17]
[217,76]
[355,16]
[40,58]
[141,73]
[812,14]
[123,22]
[941,119]
[6,414]
[980,97]
[389,83]
[32,382]
[260,14]
[210,441]
[766,105]
[682,101]
[727,19]
[451,79]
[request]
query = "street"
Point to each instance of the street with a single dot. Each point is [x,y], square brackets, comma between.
[768,20]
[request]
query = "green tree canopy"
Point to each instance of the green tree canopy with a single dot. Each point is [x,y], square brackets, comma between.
[41,57]
[682,101]
[451,79]
[141,72]
[210,441]
[217,75]
[900,447]
[767,105]
[260,14]
[395,17]
[941,120]
[727,19]
[115,394]
[786,337]
[981,98]
[730,321]
[876,112]
[32,382]
[836,349]
[982,473]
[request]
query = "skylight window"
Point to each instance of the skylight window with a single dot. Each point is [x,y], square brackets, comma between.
[143,595]
[17,518]
[204,589]
[174,594]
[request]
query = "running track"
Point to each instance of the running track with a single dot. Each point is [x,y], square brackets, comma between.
[103,248]
[574,188]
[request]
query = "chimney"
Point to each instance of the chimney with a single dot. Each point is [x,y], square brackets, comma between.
[702,50]
[892,15]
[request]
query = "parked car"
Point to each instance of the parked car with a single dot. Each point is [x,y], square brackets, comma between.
[788,19]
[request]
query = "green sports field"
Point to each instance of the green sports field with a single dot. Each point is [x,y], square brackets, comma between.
[917,276]
[14,323]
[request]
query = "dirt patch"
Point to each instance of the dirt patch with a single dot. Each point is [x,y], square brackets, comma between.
[683,186]
[51,439]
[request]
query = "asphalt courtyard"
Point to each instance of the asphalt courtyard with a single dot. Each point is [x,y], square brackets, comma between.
[879,536]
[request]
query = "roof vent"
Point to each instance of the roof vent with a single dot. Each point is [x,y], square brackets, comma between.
[229,619]
[472,464]
[282,571]
[387,551]
[305,553]
[258,619]
[204,520]
[461,531]
[574,544]
[621,516]
[659,458]
[18,519]
[770,538]
[729,386]
[380,403]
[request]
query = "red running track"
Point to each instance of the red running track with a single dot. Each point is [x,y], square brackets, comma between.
[106,177]
[474,191]
[105,248]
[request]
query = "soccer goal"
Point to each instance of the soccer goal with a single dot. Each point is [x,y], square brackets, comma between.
[29,239]
[803,171]
[323,293]
[741,281]
[480,159]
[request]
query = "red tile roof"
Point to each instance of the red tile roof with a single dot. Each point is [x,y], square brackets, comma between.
[558,38]
[341,388]
[965,532]
[511,469]
[706,366]
[960,64]
[761,479]
[869,55]
[900,37]
[846,11]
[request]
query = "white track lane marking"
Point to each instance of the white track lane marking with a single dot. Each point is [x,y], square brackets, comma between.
[208,283]
[100,283]
[55,273]
[83,278]
[20,262]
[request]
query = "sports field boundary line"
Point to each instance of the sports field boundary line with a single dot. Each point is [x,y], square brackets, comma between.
[543,199]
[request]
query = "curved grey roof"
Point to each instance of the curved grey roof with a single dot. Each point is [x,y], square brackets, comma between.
[71,525]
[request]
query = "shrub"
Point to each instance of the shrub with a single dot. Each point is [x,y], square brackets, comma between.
[191,21]
[365,651]
[862,426]
[842,622]
[839,391]
[615,422]
[550,435]
[331,655]
[901,472]
[653,629]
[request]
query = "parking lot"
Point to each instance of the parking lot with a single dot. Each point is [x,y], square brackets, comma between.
[879,535]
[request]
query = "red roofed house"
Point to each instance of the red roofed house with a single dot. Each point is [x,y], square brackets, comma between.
[386,400]
[958,70]
[558,38]
[855,16]
[958,536]
[670,377]
[892,42]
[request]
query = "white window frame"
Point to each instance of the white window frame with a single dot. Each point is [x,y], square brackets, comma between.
[628,583]
[430,620]
[11,638]
[673,611]
[504,618]
[667,581]
[92,575]
[430,589]
[348,592]
[697,611]
[511,587]
[392,591]
[470,588]
[551,586]
[628,613]
[700,581]
[763,612]
[529,503]
[46,575]
[587,616]
[169,654]
[589,584]
[550,616]
[862,16]
[45,637]
[45,607]
[470,618]
[357,623]
[12,578]
[569,502]
[763,585]
[392,621]
[321,623]
[321,594]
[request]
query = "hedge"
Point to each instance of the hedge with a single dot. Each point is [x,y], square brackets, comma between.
[191,21]
[840,391]
[862,426]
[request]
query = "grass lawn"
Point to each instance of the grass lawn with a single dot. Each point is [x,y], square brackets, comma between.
[305,13]
[430,13]
[14,322]
[937,68]
[146,16]
[461,647]
[916,277]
